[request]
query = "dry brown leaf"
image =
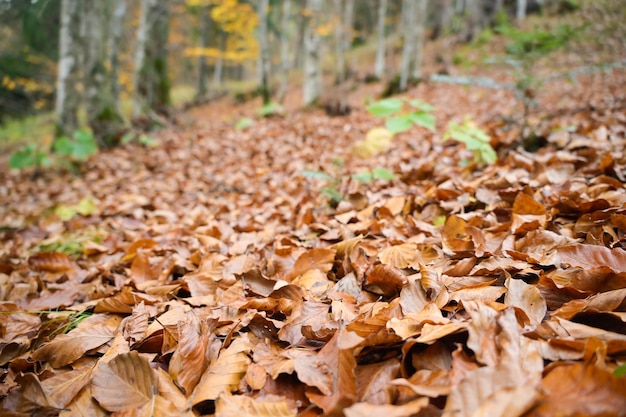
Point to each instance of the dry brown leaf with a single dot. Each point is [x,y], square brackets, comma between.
[228,405]
[67,348]
[581,390]
[190,359]
[321,259]
[307,313]
[385,280]
[63,387]
[368,410]
[84,405]
[593,256]
[455,237]
[399,256]
[225,373]
[527,298]
[125,382]
[338,365]
[373,382]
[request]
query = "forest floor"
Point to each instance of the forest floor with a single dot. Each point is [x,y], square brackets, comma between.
[207,274]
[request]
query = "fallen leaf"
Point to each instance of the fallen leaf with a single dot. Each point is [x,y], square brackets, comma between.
[125,382]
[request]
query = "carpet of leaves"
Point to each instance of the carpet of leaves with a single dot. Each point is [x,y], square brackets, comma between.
[213,278]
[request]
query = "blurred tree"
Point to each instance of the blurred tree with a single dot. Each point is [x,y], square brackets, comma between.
[70,61]
[102,21]
[151,83]
[205,37]
[379,67]
[264,56]
[312,88]
[344,15]
[285,64]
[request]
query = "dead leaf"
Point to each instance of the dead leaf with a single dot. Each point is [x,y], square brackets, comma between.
[125,382]
[228,405]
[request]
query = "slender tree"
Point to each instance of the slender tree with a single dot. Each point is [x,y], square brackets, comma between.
[218,71]
[150,79]
[409,33]
[521,10]
[103,114]
[285,64]
[379,67]
[264,56]
[204,38]
[68,98]
[312,43]
[420,20]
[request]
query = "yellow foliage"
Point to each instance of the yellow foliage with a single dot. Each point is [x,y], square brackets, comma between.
[376,141]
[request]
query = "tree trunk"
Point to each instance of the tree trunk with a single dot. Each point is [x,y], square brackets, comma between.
[264,58]
[340,58]
[420,19]
[284,50]
[151,82]
[203,67]
[68,99]
[117,25]
[476,16]
[312,43]
[521,10]
[103,114]
[348,23]
[379,67]
[408,47]
[218,72]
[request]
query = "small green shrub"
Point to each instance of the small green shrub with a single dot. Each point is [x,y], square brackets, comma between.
[474,138]
[66,152]
[398,119]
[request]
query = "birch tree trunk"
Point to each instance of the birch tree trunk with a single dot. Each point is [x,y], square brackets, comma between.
[408,47]
[340,59]
[264,58]
[312,88]
[284,50]
[117,25]
[203,67]
[67,98]
[379,66]
[521,10]
[103,114]
[420,20]
[348,23]
[150,80]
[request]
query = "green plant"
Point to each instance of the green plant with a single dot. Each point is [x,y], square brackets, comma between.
[141,139]
[66,152]
[474,138]
[270,109]
[398,119]
[244,123]
[29,156]
[620,371]
[331,190]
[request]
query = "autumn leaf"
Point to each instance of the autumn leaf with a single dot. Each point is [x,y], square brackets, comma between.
[228,405]
[225,373]
[126,382]
[67,348]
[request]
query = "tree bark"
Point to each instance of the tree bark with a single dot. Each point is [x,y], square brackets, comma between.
[203,67]
[151,82]
[340,58]
[408,47]
[101,50]
[312,87]
[379,66]
[284,50]
[218,71]
[264,58]
[420,20]
[67,98]
[521,10]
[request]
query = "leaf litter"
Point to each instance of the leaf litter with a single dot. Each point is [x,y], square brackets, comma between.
[222,281]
